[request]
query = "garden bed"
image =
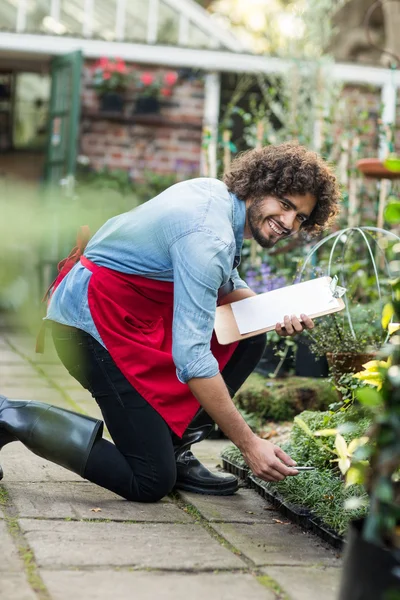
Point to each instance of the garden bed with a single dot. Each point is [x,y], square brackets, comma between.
[314,500]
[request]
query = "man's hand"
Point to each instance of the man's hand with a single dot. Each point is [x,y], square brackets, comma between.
[292,325]
[268,461]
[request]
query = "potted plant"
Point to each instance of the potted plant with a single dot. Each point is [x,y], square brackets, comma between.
[372,558]
[347,347]
[110,79]
[149,87]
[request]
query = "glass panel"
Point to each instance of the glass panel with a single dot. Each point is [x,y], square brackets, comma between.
[38,17]
[136,20]
[8,14]
[32,92]
[198,39]
[72,16]
[104,14]
[168,25]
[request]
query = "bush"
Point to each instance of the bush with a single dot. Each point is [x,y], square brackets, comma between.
[282,399]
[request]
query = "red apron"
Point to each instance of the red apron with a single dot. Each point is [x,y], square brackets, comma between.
[133,316]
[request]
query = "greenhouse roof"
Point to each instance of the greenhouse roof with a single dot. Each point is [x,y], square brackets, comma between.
[173,22]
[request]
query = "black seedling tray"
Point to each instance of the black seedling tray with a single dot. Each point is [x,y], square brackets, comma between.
[298,514]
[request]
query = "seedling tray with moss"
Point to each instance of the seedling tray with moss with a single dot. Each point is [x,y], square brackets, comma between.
[313,500]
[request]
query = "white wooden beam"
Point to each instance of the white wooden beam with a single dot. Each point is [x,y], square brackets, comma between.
[32,45]
[87,29]
[21,16]
[212,89]
[55,10]
[152,21]
[183,36]
[120,20]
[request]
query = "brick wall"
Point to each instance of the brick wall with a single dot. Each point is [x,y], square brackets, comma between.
[169,142]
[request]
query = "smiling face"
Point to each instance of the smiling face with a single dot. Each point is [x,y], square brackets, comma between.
[271,219]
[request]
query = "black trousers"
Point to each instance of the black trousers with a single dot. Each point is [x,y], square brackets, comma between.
[140,465]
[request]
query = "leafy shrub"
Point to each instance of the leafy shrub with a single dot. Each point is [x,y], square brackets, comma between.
[281,400]
[314,451]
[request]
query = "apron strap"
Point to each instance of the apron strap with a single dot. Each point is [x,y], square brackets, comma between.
[63,267]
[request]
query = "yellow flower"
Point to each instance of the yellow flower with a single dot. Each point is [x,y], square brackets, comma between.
[372,373]
[387,314]
[393,327]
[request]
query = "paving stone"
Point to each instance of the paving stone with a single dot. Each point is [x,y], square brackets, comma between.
[103,585]
[243,507]
[20,464]
[17,371]
[159,546]
[307,583]
[277,544]
[9,558]
[10,382]
[8,357]
[77,501]
[14,586]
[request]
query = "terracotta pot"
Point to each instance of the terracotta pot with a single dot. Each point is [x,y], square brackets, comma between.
[346,362]
[373,167]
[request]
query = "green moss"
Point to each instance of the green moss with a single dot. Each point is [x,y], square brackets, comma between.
[282,399]
[271,584]
[3,496]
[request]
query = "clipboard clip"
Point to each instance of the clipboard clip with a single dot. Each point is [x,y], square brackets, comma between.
[337,290]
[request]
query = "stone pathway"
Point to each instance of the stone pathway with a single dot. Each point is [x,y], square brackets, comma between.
[63,537]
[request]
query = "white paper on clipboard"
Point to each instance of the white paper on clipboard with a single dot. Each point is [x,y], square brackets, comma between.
[265,310]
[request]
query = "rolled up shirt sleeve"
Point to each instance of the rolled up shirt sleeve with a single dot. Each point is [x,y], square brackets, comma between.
[202,263]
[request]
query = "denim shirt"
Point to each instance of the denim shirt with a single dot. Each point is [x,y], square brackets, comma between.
[191,234]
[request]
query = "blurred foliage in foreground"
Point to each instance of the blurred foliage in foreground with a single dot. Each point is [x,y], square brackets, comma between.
[38,228]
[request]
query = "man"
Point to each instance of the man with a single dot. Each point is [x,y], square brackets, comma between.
[133,320]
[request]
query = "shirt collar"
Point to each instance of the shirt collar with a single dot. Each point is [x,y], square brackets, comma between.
[238,221]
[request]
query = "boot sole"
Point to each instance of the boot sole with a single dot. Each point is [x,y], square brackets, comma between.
[186,487]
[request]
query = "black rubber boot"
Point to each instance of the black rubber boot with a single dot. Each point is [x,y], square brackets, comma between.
[192,476]
[61,436]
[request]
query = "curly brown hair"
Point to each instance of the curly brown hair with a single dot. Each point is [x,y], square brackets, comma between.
[287,168]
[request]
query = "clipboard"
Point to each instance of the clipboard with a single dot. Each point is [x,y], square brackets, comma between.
[226,325]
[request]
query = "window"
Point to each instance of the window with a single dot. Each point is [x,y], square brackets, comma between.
[136,17]
[32,92]
[8,15]
[168,25]
[38,18]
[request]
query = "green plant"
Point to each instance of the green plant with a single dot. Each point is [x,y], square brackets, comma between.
[152,184]
[280,400]
[333,333]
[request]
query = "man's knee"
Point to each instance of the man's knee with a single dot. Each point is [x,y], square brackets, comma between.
[146,490]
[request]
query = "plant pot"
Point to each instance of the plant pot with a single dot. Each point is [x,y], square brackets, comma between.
[370,572]
[373,167]
[307,364]
[347,362]
[147,105]
[111,102]
[269,361]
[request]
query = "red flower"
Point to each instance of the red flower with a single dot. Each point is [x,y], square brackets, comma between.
[120,67]
[166,91]
[171,78]
[106,75]
[103,62]
[147,78]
